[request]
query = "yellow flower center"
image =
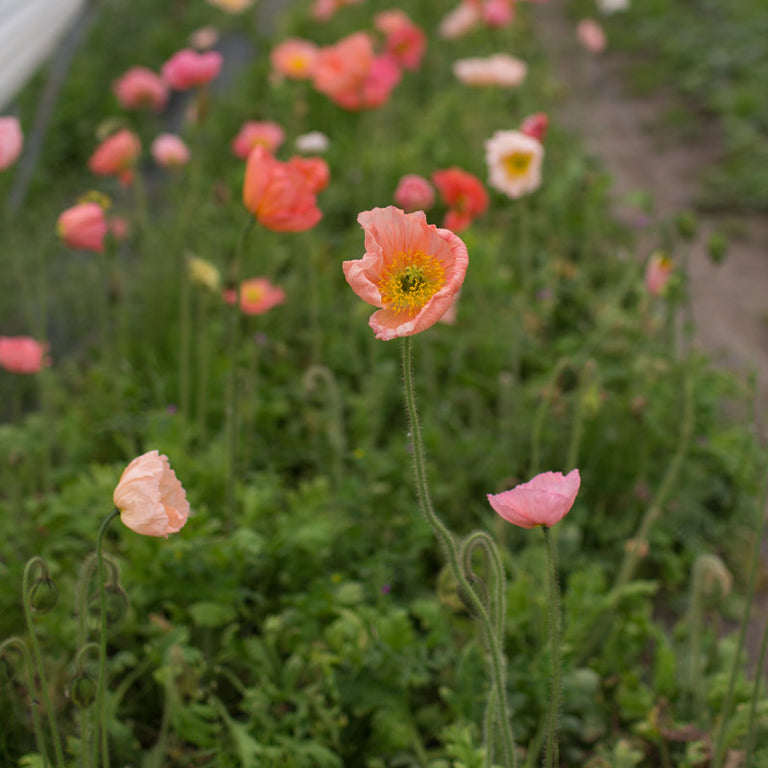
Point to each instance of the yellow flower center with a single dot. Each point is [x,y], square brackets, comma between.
[252,294]
[410,281]
[516,163]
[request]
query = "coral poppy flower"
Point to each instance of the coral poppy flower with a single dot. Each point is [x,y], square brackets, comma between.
[658,272]
[544,500]
[499,69]
[140,87]
[343,67]
[22,354]
[150,498]
[11,141]
[258,295]
[464,195]
[294,58]
[83,226]
[189,69]
[404,41]
[278,195]
[254,132]
[314,169]
[414,193]
[117,156]
[170,151]
[535,126]
[411,269]
[514,162]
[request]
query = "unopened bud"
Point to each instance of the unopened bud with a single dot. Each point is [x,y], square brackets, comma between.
[43,596]
[83,690]
[687,224]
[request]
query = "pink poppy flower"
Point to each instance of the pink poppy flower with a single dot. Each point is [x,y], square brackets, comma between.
[189,69]
[405,41]
[462,19]
[150,498]
[498,13]
[140,87]
[658,272]
[544,500]
[591,35]
[83,226]
[117,156]
[258,295]
[500,69]
[254,133]
[514,163]
[294,58]
[411,270]
[22,354]
[278,195]
[314,170]
[170,151]
[535,126]
[464,195]
[11,141]
[344,66]
[414,193]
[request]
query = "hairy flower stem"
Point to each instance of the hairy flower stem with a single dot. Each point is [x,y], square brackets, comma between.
[16,642]
[38,562]
[232,388]
[449,546]
[101,683]
[725,713]
[551,757]
[750,746]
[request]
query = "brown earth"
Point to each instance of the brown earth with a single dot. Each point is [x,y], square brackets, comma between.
[626,134]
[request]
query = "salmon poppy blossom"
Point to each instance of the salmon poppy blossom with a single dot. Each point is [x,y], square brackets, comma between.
[544,500]
[83,226]
[22,354]
[140,87]
[116,156]
[278,195]
[294,58]
[189,69]
[11,141]
[658,272]
[514,162]
[314,170]
[463,194]
[411,270]
[404,41]
[254,132]
[258,295]
[150,498]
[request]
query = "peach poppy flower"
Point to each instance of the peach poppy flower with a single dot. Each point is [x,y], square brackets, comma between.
[83,226]
[544,500]
[499,69]
[254,132]
[404,41]
[189,69]
[414,193]
[150,498]
[258,295]
[314,170]
[294,58]
[170,151]
[278,195]
[591,35]
[411,269]
[514,162]
[11,141]
[344,66]
[658,272]
[117,156]
[22,354]
[140,87]
[535,126]
[464,195]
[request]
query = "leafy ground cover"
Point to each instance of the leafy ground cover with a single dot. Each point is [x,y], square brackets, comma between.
[304,616]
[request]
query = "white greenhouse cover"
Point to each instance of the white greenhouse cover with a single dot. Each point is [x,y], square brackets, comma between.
[29,31]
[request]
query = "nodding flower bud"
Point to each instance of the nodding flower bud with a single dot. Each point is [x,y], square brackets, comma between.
[82,691]
[687,225]
[43,595]
[117,607]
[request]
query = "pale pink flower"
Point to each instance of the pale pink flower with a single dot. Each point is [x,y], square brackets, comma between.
[411,270]
[544,500]
[294,58]
[22,354]
[591,35]
[535,126]
[255,133]
[150,498]
[414,193]
[313,142]
[514,163]
[189,69]
[462,19]
[170,151]
[11,141]
[204,39]
[258,295]
[500,69]
[116,156]
[83,226]
[658,272]
[140,87]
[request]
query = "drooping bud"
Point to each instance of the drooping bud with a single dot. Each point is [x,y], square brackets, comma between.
[43,595]
[82,691]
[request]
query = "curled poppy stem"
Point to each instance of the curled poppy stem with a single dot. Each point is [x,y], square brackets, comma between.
[451,550]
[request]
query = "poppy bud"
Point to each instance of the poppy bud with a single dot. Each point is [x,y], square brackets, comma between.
[43,596]
[83,690]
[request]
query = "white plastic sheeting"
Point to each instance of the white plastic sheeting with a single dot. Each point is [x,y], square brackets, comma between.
[29,31]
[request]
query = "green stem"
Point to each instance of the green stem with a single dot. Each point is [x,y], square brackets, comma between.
[448,544]
[755,696]
[551,757]
[57,748]
[18,643]
[101,683]
[203,362]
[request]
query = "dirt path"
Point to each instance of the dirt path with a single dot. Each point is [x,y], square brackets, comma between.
[624,132]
